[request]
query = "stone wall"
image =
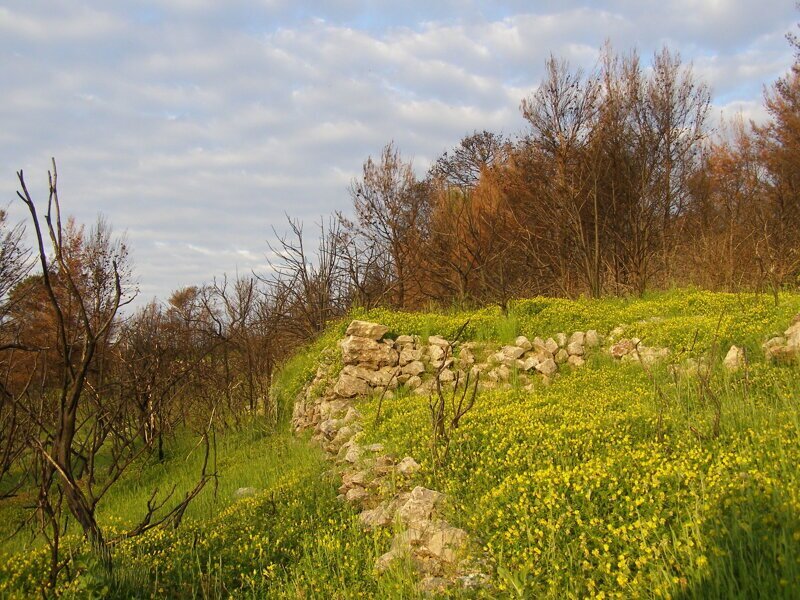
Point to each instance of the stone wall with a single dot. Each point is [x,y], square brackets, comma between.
[382,486]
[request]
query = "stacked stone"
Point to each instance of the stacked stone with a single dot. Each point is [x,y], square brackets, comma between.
[376,483]
[539,356]
[632,349]
[785,349]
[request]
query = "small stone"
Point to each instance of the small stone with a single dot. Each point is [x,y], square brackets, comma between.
[575,349]
[622,348]
[578,338]
[356,494]
[793,333]
[244,492]
[523,342]
[330,427]
[551,345]
[439,341]
[413,382]
[367,352]
[512,352]
[352,415]
[348,386]
[408,466]
[446,376]
[409,354]
[561,356]
[402,340]
[353,453]
[575,361]
[734,359]
[414,368]
[447,544]
[433,585]
[592,338]
[547,367]
[561,339]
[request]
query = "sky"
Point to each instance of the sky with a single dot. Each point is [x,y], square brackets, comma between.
[196,126]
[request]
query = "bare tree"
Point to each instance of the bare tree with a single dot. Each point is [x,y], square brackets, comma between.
[85,287]
[462,167]
[390,211]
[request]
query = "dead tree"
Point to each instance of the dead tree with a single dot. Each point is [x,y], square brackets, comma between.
[84,286]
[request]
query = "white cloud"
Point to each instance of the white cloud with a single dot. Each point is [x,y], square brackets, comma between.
[196,125]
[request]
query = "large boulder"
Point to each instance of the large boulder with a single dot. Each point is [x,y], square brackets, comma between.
[577,338]
[365,329]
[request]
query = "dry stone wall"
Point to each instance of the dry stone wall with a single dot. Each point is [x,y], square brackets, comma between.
[382,486]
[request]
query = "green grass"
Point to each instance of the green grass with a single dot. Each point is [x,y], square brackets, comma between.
[610,483]
[607,483]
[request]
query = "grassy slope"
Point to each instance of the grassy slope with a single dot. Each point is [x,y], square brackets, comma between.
[574,489]
[578,490]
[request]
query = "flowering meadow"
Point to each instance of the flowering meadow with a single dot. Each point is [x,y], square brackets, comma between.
[613,481]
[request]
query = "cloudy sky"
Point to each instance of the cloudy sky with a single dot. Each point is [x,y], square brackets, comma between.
[194,125]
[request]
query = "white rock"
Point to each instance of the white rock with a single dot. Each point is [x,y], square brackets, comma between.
[348,386]
[419,507]
[408,466]
[592,338]
[577,338]
[356,494]
[734,359]
[365,329]
[409,354]
[523,342]
[575,349]
[547,367]
[447,544]
[414,368]
[437,340]
[245,492]
[575,361]
[551,345]
[364,351]
[413,382]
[512,352]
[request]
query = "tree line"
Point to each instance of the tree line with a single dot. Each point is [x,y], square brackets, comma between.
[618,186]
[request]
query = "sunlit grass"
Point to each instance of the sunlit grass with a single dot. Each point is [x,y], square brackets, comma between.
[608,483]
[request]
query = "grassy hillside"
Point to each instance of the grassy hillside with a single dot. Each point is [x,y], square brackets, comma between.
[609,482]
